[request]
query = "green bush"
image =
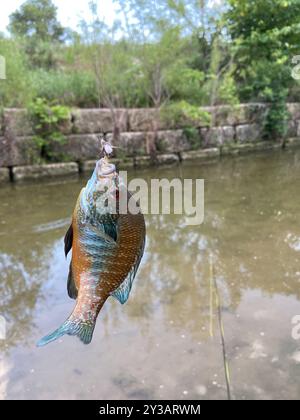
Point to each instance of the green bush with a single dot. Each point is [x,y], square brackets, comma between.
[184,114]
[188,117]
[72,89]
[184,83]
[276,122]
[47,120]
[193,136]
[15,90]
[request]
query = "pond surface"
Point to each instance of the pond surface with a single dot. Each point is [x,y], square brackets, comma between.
[165,342]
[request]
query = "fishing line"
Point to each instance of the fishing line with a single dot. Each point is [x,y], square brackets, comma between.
[211,297]
[214,288]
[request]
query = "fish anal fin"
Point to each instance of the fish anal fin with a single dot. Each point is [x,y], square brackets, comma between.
[123,291]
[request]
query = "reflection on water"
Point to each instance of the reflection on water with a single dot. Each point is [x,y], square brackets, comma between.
[158,345]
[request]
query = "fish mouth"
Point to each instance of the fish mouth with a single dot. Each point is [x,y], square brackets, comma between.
[104,168]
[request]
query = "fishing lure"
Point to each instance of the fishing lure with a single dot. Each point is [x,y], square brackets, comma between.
[107,248]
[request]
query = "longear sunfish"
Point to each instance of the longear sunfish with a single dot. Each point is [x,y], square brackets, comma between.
[107,248]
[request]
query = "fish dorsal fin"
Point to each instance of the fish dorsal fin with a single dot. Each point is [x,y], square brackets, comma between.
[72,289]
[69,240]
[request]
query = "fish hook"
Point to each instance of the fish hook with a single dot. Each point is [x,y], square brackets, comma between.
[107,148]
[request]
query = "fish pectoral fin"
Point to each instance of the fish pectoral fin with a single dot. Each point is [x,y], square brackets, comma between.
[68,240]
[102,234]
[72,289]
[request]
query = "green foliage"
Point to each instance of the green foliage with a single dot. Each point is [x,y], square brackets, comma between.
[189,117]
[184,114]
[41,54]
[158,65]
[36,24]
[227,90]
[171,54]
[74,88]
[113,62]
[15,90]
[193,136]
[47,121]
[263,48]
[118,75]
[276,123]
[160,145]
[184,83]
[37,19]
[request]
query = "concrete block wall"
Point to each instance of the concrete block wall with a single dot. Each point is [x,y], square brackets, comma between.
[234,127]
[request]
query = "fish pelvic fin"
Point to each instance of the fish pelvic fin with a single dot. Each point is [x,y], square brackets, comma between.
[72,326]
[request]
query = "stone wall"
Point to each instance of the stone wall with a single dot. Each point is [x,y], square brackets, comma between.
[236,130]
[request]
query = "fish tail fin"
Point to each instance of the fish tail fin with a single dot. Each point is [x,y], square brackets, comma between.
[72,326]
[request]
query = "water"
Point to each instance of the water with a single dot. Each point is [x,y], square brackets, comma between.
[159,345]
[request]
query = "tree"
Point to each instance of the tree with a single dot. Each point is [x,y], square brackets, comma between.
[36,23]
[113,65]
[265,35]
[201,24]
[163,52]
[37,19]
[211,56]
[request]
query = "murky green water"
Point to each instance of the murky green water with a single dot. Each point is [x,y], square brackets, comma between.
[159,344]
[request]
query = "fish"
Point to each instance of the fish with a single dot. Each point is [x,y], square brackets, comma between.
[107,248]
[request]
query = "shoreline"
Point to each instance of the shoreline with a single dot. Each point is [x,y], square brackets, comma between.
[54,170]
